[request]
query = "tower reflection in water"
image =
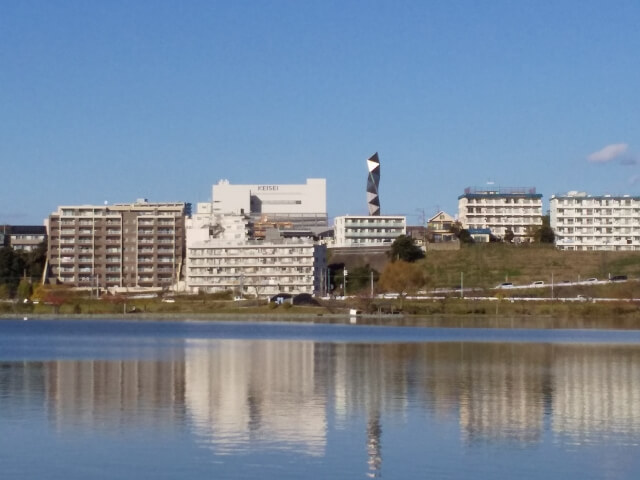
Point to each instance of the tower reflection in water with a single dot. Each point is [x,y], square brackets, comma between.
[241,395]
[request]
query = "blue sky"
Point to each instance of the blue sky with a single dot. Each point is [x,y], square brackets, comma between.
[117,100]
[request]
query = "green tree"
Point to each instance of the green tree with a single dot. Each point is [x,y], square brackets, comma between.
[35,260]
[509,235]
[545,233]
[404,248]
[359,278]
[464,236]
[402,278]
[336,277]
[461,234]
[24,289]
[4,292]
[455,228]
[12,268]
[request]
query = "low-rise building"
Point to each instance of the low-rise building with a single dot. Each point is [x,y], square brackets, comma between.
[480,235]
[368,231]
[518,210]
[24,238]
[418,234]
[600,222]
[129,245]
[439,228]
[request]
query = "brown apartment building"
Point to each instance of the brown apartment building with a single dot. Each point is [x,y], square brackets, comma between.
[124,245]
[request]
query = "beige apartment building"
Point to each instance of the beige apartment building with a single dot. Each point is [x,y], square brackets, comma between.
[120,246]
[500,209]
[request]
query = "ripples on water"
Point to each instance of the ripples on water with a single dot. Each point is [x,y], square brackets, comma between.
[229,400]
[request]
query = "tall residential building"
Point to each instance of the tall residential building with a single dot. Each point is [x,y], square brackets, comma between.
[368,231]
[283,207]
[256,267]
[601,222]
[118,246]
[501,209]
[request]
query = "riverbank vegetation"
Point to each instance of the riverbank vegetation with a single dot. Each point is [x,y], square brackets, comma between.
[458,282]
[498,305]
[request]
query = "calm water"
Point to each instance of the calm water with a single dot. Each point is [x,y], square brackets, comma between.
[167,400]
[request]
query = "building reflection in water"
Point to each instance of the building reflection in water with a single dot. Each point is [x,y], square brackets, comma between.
[596,392]
[116,393]
[21,387]
[241,395]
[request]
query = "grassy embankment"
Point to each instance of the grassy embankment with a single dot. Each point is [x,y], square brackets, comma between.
[485,266]
[482,267]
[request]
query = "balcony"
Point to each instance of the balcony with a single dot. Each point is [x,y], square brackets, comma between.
[392,234]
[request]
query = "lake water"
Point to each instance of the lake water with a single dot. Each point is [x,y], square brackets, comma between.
[168,400]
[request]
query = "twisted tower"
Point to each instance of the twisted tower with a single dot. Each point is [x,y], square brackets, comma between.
[373,163]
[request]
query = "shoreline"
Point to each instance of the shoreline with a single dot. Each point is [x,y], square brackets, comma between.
[457,321]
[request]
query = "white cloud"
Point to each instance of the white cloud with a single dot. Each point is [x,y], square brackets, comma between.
[608,153]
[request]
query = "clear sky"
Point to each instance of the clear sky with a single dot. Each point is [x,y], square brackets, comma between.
[118,100]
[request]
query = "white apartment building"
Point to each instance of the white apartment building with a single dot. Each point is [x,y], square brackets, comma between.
[260,268]
[604,222]
[205,225]
[368,231]
[501,209]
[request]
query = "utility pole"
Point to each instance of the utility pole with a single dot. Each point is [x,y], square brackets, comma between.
[328,281]
[461,284]
[344,281]
[423,227]
[371,276]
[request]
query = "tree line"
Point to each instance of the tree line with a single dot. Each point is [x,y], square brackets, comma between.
[19,270]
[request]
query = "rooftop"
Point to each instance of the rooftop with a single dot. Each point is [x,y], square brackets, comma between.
[493,191]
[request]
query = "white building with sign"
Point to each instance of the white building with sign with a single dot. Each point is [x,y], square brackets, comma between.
[284,207]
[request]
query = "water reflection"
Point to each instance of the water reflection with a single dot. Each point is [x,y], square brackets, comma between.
[236,396]
[116,394]
[242,394]
[596,393]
